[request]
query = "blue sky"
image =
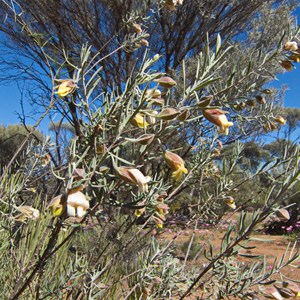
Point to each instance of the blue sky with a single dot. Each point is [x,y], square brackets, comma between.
[292,79]
[10,95]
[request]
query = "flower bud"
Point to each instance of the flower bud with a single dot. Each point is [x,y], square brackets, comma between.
[157,101]
[283,214]
[45,159]
[286,64]
[166,82]
[170,4]
[158,221]
[134,177]
[184,115]
[144,139]
[104,169]
[295,58]
[250,102]
[204,101]
[145,293]
[137,28]
[101,149]
[155,58]
[272,126]
[237,107]
[260,99]
[162,209]
[97,128]
[155,97]
[168,114]
[145,42]
[266,127]
[266,91]
[280,120]
[161,196]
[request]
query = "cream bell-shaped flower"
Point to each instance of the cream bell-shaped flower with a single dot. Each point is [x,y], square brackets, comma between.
[77,204]
[176,163]
[290,46]
[151,117]
[134,177]
[218,117]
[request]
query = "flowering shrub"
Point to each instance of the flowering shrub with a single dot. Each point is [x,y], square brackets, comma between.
[90,229]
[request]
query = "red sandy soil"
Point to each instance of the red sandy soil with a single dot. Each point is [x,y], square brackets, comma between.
[273,246]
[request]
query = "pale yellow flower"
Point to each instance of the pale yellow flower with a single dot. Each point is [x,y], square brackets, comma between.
[65,88]
[139,121]
[231,203]
[140,211]
[218,117]
[176,163]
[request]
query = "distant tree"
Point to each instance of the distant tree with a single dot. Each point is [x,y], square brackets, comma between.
[11,137]
[63,134]
[292,116]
